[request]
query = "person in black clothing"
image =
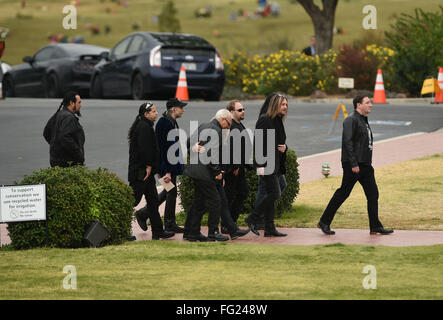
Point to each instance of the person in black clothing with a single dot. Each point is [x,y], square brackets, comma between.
[236,186]
[168,169]
[207,174]
[356,157]
[312,49]
[271,123]
[65,135]
[143,164]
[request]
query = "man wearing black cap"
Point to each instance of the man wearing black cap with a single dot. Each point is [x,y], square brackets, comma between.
[170,168]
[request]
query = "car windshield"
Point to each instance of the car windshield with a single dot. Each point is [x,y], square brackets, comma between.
[177,40]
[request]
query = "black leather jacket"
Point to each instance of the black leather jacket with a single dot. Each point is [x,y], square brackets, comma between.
[356,140]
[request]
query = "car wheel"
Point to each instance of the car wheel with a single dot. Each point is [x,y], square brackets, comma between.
[96,88]
[137,88]
[8,87]
[52,86]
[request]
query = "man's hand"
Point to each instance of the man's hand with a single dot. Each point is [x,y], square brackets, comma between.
[198,148]
[236,172]
[261,171]
[219,177]
[167,177]
[356,169]
[148,173]
[281,148]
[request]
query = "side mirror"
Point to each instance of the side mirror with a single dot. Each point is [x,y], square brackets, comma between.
[29,60]
[105,55]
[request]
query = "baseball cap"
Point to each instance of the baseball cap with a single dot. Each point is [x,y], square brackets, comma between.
[175,102]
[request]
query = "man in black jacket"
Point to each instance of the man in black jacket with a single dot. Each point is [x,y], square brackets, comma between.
[143,164]
[170,168]
[207,173]
[236,186]
[356,157]
[65,135]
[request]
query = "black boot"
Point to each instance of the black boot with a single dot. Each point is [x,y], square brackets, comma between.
[142,217]
[162,235]
[271,231]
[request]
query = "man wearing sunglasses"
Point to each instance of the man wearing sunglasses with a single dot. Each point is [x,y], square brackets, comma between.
[236,186]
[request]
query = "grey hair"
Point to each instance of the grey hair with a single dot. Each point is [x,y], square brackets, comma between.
[223,114]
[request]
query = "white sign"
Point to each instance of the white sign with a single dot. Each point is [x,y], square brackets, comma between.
[23,203]
[347,83]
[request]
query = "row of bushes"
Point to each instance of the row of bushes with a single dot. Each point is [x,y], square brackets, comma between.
[295,73]
[415,52]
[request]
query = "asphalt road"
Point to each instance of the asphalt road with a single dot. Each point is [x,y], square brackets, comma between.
[106,124]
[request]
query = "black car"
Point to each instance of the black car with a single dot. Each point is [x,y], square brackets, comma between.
[147,64]
[53,70]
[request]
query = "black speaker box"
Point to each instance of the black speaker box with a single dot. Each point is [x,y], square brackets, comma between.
[95,234]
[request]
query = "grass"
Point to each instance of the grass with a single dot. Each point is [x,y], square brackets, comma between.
[411,198]
[31,26]
[170,270]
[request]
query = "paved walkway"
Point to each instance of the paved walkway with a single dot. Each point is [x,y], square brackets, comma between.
[385,152]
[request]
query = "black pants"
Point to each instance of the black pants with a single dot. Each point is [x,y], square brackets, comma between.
[212,195]
[265,205]
[149,189]
[261,192]
[367,180]
[171,201]
[236,189]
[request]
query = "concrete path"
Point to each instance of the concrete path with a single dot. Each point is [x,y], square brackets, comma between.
[385,152]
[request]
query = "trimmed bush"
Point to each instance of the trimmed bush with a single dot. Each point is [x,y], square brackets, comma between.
[186,189]
[76,196]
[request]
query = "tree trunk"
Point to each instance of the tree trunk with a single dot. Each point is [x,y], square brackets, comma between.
[323,21]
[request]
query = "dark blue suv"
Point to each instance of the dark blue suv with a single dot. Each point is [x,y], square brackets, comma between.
[147,65]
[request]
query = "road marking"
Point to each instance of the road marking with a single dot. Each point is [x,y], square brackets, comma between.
[390,123]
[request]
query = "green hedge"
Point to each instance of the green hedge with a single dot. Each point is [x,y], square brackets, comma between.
[186,189]
[76,197]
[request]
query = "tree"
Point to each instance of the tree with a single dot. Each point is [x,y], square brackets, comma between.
[323,21]
[167,20]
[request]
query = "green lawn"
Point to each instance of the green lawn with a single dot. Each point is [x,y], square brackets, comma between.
[31,26]
[411,198]
[171,270]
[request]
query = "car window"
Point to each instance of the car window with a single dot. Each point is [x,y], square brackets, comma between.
[136,44]
[120,48]
[57,54]
[44,54]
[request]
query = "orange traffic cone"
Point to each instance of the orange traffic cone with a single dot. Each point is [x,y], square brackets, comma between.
[379,92]
[439,95]
[182,86]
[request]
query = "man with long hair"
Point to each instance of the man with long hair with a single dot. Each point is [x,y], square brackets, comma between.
[65,134]
[270,173]
[143,164]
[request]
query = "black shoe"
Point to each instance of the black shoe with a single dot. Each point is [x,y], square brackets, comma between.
[274,233]
[252,227]
[381,230]
[175,229]
[199,237]
[239,233]
[224,230]
[162,235]
[217,236]
[141,221]
[131,238]
[325,228]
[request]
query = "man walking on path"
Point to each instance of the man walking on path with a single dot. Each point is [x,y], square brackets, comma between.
[64,133]
[167,169]
[356,157]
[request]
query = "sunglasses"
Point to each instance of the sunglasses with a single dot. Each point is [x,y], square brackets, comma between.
[240,110]
[229,122]
[148,106]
